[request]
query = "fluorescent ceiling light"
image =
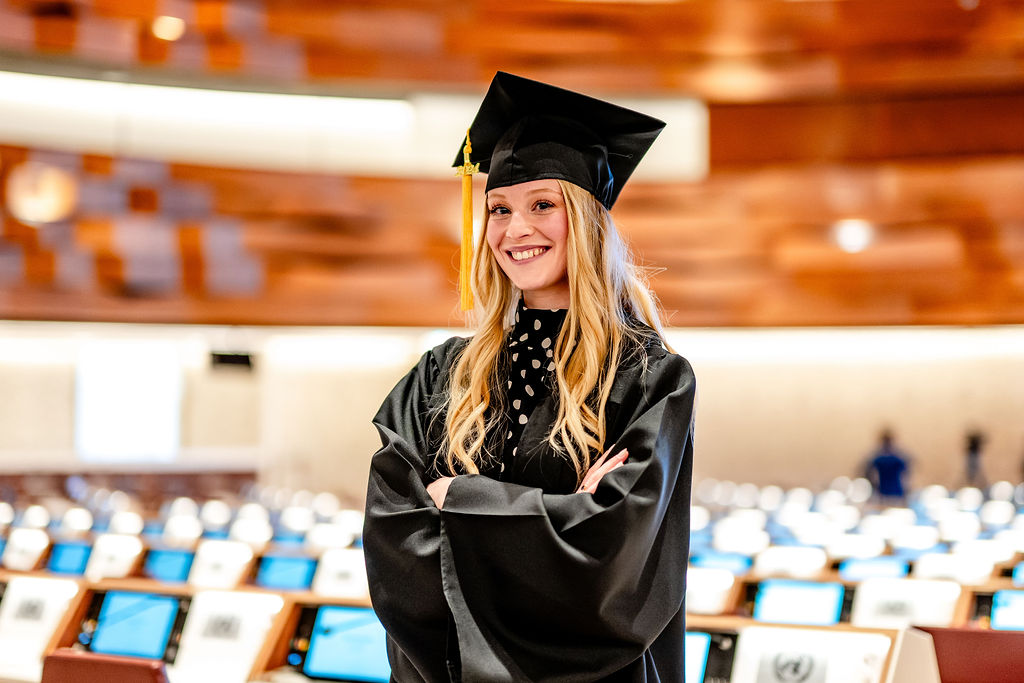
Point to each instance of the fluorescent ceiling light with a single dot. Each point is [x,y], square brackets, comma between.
[413,137]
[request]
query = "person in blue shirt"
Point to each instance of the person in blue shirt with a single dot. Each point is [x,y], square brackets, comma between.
[887,469]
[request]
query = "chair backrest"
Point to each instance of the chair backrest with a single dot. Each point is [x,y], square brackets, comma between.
[220,564]
[24,549]
[223,634]
[708,590]
[31,611]
[182,531]
[126,522]
[75,523]
[341,573]
[113,556]
[74,666]
[793,561]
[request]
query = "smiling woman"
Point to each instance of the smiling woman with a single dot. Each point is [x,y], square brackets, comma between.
[527,227]
[501,545]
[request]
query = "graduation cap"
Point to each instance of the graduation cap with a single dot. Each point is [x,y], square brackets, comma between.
[527,130]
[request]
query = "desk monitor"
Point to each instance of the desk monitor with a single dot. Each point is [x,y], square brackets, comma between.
[347,644]
[733,562]
[1018,575]
[286,572]
[697,645]
[69,558]
[168,565]
[1008,610]
[787,601]
[133,625]
[898,603]
[886,566]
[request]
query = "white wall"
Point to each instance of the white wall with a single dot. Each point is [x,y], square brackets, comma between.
[774,406]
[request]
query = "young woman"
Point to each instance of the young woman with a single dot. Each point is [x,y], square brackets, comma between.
[527,514]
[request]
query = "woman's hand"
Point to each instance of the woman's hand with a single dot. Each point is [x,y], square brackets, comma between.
[601,467]
[438,490]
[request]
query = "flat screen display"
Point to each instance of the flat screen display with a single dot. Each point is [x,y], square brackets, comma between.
[286,573]
[859,569]
[169,566]
[1018,571]
[733,562]
[347,644]
[1008,610]
[697,647]
[785,601]
[69,558]
[134,624]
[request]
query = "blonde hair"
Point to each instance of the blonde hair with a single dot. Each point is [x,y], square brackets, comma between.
[606,293]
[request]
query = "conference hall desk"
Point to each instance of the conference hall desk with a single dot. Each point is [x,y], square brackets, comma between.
[251,634]
[748,651]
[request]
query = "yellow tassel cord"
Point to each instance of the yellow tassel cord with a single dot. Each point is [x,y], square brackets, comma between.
[466,256]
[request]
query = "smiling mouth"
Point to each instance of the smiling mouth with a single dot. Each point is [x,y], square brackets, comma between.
[527,254]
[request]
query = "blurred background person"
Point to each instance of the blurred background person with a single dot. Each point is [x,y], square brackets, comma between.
[887,469]
[973,445]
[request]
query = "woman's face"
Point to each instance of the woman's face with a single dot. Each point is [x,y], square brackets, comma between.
[527,226]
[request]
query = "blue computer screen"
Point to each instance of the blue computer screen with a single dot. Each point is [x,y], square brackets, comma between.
[134,624]
[1018,573]
[1008,610]
[69,558]
[347,644]
[697,647]
[787,601]
[286,573]
[886,567]
[169,566]
[732,562]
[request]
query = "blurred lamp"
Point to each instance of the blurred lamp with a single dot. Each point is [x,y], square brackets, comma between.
[168,28]
[41,193]
[853,235]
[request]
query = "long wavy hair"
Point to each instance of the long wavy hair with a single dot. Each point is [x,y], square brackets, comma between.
[607,294]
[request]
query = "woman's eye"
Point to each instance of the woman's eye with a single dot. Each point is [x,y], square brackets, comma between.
[544,205]
[498,210]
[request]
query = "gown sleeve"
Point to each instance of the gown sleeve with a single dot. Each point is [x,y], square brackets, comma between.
[548,587]
[401,536]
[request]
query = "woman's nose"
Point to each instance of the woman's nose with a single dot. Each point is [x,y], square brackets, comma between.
[518,225]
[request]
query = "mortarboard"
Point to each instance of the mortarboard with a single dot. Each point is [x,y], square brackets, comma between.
[527,130]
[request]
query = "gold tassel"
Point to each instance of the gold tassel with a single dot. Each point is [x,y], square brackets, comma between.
[466,256]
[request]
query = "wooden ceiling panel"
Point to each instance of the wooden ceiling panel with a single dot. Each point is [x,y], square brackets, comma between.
[906,115]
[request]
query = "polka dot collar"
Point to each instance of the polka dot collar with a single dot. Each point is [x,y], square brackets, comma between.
[531,347]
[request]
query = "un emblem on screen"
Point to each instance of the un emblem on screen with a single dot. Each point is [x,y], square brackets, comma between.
[793,667]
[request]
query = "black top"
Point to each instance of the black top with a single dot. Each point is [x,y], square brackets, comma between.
[522,579]
[531,350]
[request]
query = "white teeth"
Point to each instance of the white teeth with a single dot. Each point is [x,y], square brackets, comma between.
[529,253]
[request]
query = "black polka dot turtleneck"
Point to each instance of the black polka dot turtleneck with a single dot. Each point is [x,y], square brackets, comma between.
[531,348]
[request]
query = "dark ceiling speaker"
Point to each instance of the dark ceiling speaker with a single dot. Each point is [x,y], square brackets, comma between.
[231,359]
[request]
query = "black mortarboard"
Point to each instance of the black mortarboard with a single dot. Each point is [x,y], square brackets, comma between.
[528,130]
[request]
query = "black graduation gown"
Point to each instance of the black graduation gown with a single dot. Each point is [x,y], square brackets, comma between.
[522,584]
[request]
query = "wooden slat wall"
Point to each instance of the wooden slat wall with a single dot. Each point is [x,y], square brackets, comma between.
[906,114]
